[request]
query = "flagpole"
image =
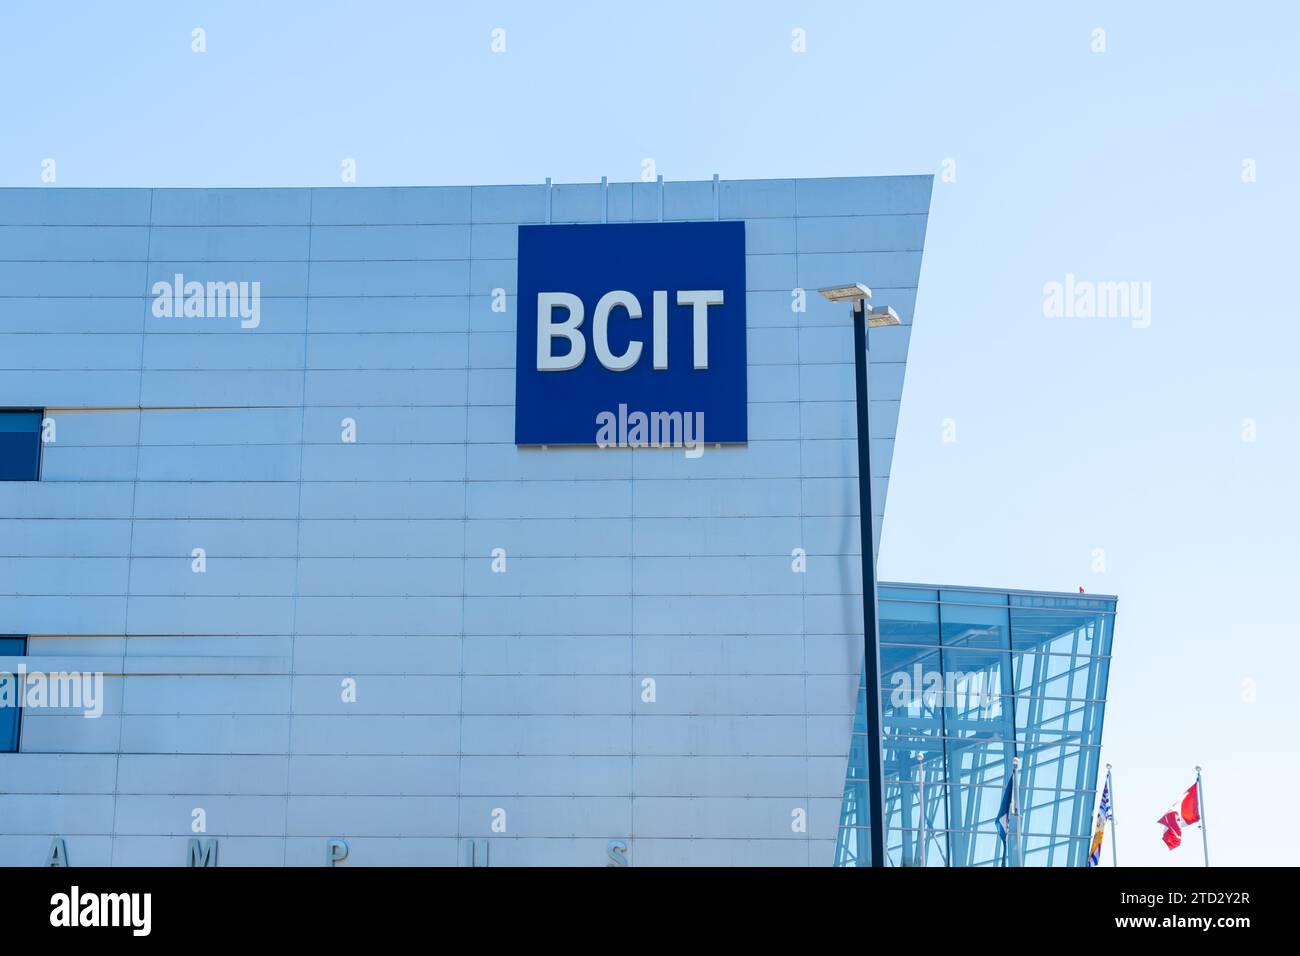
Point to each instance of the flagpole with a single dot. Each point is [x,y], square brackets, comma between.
[920,771]
[1200,807]
[1015,808]
[1110,789]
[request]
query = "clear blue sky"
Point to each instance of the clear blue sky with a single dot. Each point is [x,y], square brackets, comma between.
[1072,434]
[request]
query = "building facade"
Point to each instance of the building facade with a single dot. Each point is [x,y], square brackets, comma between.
[970,679]
[339,615]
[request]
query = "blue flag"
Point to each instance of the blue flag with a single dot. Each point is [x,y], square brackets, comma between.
[1010,808]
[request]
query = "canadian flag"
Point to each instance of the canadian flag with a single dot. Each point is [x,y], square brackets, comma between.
[1186,812]
[1190,808]
[1173,835]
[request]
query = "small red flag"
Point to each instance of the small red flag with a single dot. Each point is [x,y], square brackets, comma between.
[1191,807]
[1173,835]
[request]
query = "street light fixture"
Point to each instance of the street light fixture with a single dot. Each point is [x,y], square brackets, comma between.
[856,293]
[848,292]
[865,317]
[885,315]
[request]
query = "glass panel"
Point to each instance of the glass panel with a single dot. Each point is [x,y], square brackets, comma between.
[10,695]
[907,622]
[950,598]
[975,626]
[905,592]
[1062,600]
[20,445]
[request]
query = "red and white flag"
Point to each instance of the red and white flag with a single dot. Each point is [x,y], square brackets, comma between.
[1190,808]
[1173,835]
[1183,814]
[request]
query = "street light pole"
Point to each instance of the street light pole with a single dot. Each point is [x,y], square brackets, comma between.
[864,318]
[870,622]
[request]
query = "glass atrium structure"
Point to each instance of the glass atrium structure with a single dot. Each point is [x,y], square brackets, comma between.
[971,678]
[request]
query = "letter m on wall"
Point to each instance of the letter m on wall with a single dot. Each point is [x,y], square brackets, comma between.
[204,854]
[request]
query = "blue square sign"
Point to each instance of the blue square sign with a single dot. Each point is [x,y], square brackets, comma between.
[631,335]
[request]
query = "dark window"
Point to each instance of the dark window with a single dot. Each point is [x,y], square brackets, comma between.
[11,712]
[20,444]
